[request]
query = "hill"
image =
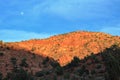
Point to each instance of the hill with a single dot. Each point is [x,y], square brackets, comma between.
[64,47]
[77,55]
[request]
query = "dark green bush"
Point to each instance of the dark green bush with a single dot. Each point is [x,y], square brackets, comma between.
[93,72]
[13,60]
[98,66]
[39,73]
[67,76]
[24,63]
[21,74]
[1,53]
[75,62]
[82,70]
[42,73]
[1,76]
[45,60]
[59,70]
[54,64]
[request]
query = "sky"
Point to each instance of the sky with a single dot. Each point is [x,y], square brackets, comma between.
[30,19]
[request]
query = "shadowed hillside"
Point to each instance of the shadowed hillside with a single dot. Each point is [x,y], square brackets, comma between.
[14,60]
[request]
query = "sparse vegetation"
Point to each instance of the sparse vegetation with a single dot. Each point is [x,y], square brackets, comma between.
[112,62]
[20,74]
[24,61]
[42,73]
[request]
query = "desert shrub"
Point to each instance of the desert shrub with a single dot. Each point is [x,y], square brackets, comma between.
[75,62]
[93,72]
[54,64]
[59,70]
[55,77]
[1,76]
[33,49]
[33,55]
[1,53]
[8,48]
[74,78]
[66,75]
[13,60]
[42,73]
[45,60]
[21,74]
[87,71]
[94,58]
[24,63]
[82,70]
[98,66]
[39,74]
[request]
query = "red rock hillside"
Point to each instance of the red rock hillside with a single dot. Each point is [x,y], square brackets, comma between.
[65,46]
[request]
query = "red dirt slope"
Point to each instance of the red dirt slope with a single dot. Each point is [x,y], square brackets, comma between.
[65,46]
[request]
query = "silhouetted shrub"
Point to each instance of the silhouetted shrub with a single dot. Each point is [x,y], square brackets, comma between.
[23,63]
[59,70]
[33,55]
[75,62]
[8,48]
[55,77]
[93,72]
[98,66]
[81,70]
[66,75]
[45,60]
[21,74]
[54,64]
[1,53]
[87,71]
[39,74]
[94,58]
[13,61]
[1,76]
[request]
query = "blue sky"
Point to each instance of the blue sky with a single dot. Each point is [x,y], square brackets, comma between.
[26,19]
